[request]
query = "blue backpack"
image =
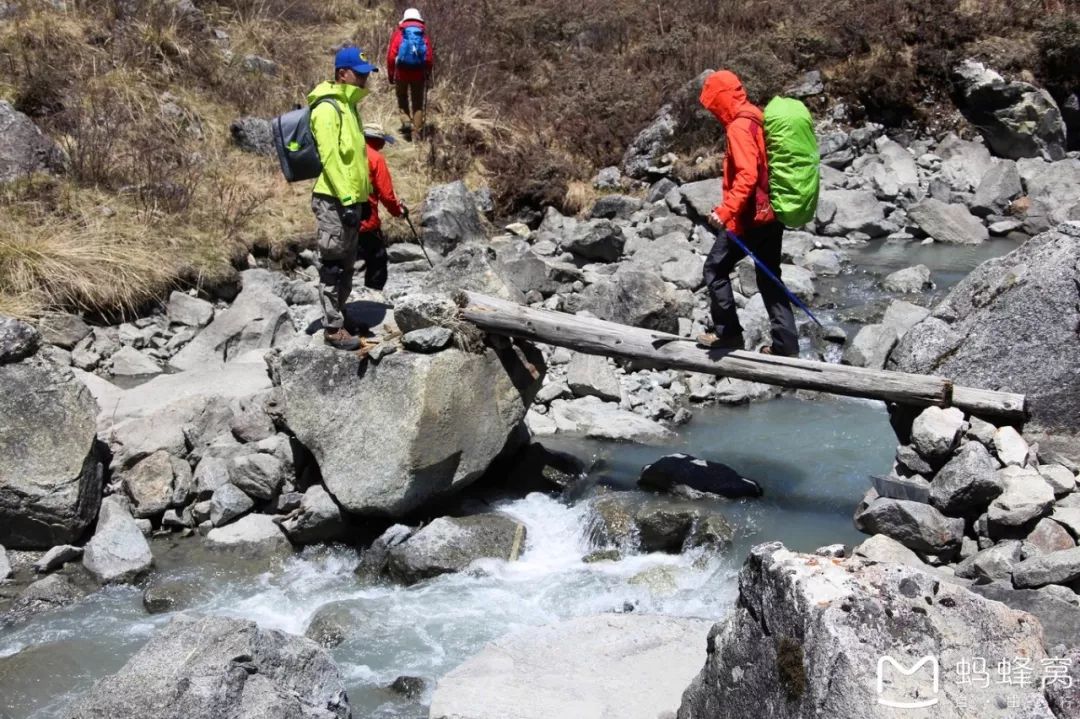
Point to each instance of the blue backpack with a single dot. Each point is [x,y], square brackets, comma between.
[413,49]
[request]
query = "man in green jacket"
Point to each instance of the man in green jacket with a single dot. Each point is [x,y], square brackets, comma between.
[340,197]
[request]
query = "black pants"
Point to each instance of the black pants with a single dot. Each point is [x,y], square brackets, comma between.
[372,250]
[764,242]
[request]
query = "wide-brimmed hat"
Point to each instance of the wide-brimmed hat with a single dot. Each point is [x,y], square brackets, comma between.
[375,131]
[412,14]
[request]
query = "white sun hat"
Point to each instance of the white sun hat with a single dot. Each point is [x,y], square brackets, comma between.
[412,14]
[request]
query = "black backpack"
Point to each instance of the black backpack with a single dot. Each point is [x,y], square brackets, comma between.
[295,143]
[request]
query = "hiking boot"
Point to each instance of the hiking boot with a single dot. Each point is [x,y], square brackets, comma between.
[341,339]
[713,341]
[418,123]
[770,350]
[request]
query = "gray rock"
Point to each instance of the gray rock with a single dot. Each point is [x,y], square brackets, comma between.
[664,528]
[967,483]
[207,667]
[601,240]
[1010,447]
[649,144]
[699,474]
[1049,536]
[428,340]
[761,663]
[870,347]
[608,178]
[1016,118]
[592,375]
[253,536]
[549,671]
[474,267]
[592,417]
[936,431]
[524,269]
[51,479]
[697,199]
[151,485]
[999,186]
[210,473]
[259,64]
[5,565]
[253,134]
[611,523]
[130,362]
[18,340]
[44,595]
[375,559]
[183,309]
[1053,188]
[118,551]
[450,544]
[951,224]
[1025,296]
[635,297]
[981,431]
[1057,568]
[841,212]
[24,149]
[917,526]
[615,207]
[450,218]
[257,320]
[63,330]
[319,519]
[880,548]
[991,564]
[228,503]
[963,163]
[1060,479]
[911,461]
[417,311]
[1068,517]
[908,280]
[902,316]
[259,476]
[443,418]
[1027,497]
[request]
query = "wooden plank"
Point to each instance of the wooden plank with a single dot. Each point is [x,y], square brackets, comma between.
[595,336]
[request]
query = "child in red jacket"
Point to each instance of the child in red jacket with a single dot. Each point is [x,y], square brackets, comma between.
[409,61]
[372,246]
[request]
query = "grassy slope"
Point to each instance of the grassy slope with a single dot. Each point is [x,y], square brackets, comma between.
[531,97]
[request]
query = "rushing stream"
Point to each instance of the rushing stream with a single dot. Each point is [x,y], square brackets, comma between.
[813,458]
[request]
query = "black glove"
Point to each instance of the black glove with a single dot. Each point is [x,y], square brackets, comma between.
[404,211]
[350,217]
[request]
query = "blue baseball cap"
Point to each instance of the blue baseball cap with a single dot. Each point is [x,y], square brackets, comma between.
[353,58]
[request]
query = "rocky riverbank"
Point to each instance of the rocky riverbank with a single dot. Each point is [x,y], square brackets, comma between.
[222,421]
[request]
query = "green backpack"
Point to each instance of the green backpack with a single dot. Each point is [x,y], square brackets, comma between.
[793,161]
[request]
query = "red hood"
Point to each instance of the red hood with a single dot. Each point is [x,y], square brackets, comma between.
[723,95]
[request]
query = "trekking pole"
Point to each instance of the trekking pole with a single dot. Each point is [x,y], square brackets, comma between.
[419,241]
[768,273]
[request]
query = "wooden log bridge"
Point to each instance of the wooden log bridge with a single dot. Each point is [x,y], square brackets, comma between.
[661,349]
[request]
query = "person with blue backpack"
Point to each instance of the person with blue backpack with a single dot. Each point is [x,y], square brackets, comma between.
[410,58]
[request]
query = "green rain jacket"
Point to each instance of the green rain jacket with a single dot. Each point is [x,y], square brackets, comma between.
[340,139]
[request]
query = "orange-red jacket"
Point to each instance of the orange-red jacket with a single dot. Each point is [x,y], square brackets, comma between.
[382,190]
[746,170]
[408,74]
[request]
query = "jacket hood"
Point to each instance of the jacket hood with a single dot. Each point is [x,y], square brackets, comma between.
[723,95]
[348,94]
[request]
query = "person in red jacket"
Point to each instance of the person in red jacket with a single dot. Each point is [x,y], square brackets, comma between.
[745,211]
[372,246]
[409,61]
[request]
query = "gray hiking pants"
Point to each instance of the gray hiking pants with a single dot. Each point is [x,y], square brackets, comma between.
[337,255]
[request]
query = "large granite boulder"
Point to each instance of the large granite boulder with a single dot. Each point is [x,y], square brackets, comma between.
[24,149]
[635,297]
[552,671]
[51,476]
[1016,118]
[118,551]
[389,437]
[838,638]
[450,218]
[951,224]
[1011,325]
[214,667]
[473,266]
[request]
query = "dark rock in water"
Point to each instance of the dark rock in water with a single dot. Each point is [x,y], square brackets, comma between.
[333,623]
[409,687]
[319,519]
[52,592]
[916,525]
[664,529]
[18,340]
[540,468]
[170,595]
[214,667]
[611,523]
[699,474]
[374,560]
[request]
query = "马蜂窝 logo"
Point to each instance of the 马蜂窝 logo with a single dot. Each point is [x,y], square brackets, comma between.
[908,703]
